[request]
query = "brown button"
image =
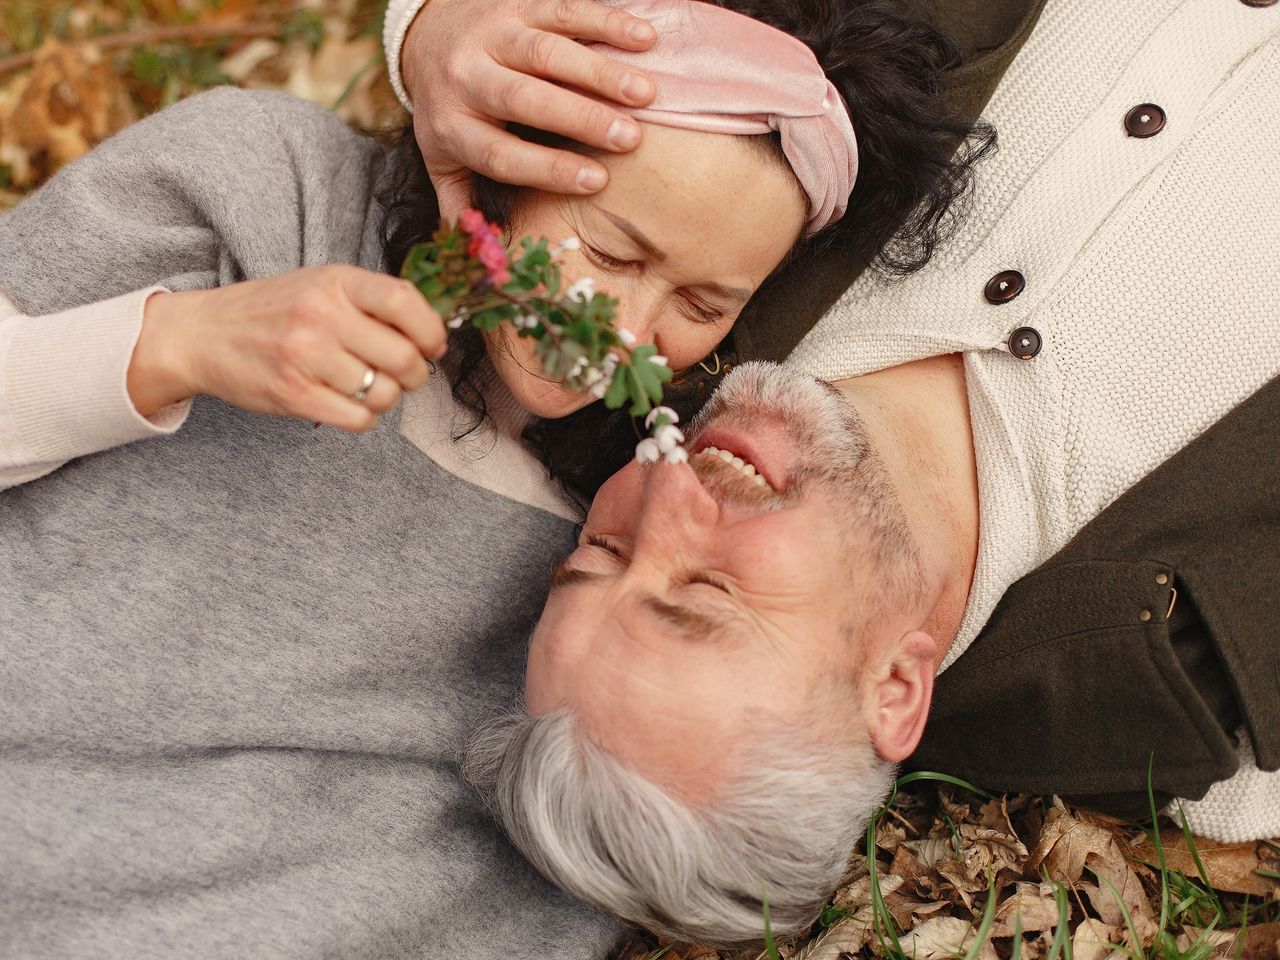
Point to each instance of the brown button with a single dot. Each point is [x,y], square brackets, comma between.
[1003,287]
[1162,578]
[1144,616]
[1025,343]
[1144,120]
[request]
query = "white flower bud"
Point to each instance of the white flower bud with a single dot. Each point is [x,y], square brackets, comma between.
[668,438]
[456,322]
[656,412]
[582,290]
[627,337]
[677,455]
[648,451]
[658,360]
[568,245]
[599,389]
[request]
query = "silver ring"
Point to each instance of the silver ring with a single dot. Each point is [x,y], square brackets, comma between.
[362,391]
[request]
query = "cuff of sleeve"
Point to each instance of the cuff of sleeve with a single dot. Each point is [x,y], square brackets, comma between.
[65,381]
[395,28]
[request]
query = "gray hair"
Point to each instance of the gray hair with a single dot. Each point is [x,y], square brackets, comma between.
[786,827]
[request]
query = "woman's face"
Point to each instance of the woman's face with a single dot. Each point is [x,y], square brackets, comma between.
[688,228]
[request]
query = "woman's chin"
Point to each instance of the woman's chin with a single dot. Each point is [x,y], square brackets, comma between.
[538,395]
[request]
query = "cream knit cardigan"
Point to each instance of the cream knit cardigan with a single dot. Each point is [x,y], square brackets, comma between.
[1153,276]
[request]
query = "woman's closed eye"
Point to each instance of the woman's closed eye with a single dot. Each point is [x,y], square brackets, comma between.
[700,313]
[694,309]
[602,259]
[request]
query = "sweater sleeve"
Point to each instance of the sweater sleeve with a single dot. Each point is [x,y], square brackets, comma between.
[62,386]
[395,28]
[227,186]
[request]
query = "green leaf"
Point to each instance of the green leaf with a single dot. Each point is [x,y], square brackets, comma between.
[616,395]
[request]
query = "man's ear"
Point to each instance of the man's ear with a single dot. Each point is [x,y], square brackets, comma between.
[898,705]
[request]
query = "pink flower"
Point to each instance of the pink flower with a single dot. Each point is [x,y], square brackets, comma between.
[486,245]
[472,221]
[494,258]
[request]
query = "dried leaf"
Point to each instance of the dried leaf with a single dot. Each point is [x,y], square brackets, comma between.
[994,814]
[1229,866]
[908,912]
[931,851]
[1262,942]
[858,894]
[241,65]
[848,936]
[1067,843]
[69,102]
[889,835]
[1095,940]
[943,938]
[1032,906]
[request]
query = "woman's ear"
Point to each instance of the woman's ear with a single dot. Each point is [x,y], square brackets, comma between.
[898,704]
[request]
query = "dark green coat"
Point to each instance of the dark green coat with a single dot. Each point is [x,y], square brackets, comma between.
[1155,631]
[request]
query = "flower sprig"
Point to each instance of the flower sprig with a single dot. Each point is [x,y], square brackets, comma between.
[468,276]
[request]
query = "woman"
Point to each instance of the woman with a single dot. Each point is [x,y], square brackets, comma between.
[238,660]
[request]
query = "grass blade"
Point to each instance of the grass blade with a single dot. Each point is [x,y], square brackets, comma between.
[770,948]
[988,918]
[1159,845]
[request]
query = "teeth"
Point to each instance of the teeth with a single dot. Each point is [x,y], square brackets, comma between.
[746,469]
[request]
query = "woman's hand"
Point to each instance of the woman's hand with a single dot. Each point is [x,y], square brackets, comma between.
[470,66]
[298,345]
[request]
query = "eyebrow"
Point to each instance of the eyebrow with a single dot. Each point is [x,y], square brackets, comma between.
[694,626]
[732,293]
[566,576]
[632,231]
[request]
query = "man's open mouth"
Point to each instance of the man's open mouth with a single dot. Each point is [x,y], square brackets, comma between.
[749,456]
[743,467]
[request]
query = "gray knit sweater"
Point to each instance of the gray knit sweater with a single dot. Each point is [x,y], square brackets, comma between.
[236,664]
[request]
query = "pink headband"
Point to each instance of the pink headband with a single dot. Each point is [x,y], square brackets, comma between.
[718,71]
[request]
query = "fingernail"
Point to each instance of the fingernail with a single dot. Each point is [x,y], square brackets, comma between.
[640,31]
[590,178]
[636,87]
[624,134]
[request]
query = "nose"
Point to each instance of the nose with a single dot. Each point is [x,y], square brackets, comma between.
[677,511]
[641,312]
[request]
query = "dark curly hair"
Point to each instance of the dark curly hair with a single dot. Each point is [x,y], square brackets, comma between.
[916,158]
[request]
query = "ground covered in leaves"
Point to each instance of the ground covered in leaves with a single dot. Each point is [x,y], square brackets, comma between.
[1020,878]
[72,74]
[1028,878]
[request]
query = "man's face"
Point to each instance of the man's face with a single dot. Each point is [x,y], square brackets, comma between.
[703,605]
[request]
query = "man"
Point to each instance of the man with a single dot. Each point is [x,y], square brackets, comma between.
[1072,341]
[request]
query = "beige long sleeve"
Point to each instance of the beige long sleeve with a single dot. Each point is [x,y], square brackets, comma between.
[63,387]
